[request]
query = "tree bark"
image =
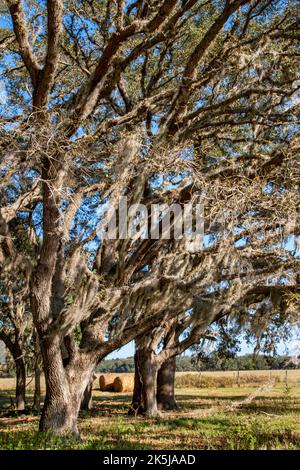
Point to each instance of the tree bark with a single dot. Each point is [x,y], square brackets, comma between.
[148,372]
[20,383]
[136,407]
[37,373]
[59,415]
[145,384]
[65,387]
[14,345]
[37,388]
[87,400]
[166,384]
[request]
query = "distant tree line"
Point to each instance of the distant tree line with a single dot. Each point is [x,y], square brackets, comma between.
[183,363]
[211,362]
[246,362]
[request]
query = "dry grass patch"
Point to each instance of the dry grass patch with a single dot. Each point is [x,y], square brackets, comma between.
[205,420]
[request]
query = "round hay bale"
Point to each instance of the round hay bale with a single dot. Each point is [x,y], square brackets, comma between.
[124,384]
[106,382]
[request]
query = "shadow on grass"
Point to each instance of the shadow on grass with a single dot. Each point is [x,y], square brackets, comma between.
[216,430]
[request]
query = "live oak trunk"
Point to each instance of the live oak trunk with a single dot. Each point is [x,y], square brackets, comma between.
[64,390]
[37,388]
[20,383]
[87,400]
[149,380]
[136,407]
[59,414]
[37,374]
[166,385]
[144,395]
[145,384]
[15,348]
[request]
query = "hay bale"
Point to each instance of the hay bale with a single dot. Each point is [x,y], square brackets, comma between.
[124,384]
[106,382]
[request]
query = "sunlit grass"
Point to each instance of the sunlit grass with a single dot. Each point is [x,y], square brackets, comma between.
[204,421]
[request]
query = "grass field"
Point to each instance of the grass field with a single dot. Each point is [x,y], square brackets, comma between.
[250,416]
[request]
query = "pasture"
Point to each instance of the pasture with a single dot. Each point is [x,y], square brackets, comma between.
[261,411]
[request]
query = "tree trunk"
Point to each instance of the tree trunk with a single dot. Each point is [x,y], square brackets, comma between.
[59,415]
[37,388]
[136,404]
[37,373]
[20,383]
[64,389]
[86,403]
[87,400]
[145,384]
[60,411]
[165,385]
[148,370]
[14,345]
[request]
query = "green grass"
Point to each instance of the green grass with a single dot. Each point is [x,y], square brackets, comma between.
[204,421]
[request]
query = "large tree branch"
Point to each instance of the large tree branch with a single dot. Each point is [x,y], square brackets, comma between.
[89,95]
[22,36]
[47,75]
[182,95]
